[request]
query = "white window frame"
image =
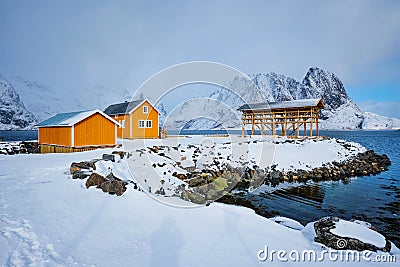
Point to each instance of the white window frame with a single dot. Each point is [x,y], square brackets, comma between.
[145,124]
[145,109]
[123,123]
[142,124]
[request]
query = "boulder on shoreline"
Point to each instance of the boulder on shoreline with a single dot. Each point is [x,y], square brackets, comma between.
[344,235]
[363,164]
[109,184]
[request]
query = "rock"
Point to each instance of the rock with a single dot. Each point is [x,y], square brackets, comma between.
[111,157]
[275,174]
[179,175]
[92,163]
[117,187]
[111,177]
[78,166]
[193,197]
[160,191]
[197,181]
[95,180]
[80,175]
[324,236]
[121,154]
[154,149]
[219,184]
[212,194]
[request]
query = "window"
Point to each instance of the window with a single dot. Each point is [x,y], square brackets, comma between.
[145,124]
[141,123]
[123,123]
[145,109]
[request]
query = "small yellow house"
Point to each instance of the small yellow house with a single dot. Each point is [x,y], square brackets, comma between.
[138,119]
[77,131]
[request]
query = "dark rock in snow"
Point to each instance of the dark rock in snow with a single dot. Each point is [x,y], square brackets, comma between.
[80,175]
[115,186]
[95,180]
[324,236]
[111,157]
[86,165]
[121,154]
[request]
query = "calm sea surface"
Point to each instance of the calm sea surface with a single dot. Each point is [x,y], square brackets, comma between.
[18,135]
[375,199]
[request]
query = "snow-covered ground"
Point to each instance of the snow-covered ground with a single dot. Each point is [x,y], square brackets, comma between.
[155,161]
[48,219]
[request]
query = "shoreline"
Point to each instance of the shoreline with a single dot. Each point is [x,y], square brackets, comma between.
[117,181]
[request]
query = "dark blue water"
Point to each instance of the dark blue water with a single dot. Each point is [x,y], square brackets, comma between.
[18,135]
[375,199]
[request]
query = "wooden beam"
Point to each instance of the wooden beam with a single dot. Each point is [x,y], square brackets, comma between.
[317,122]
[252,124]
[285,123]
[311,121]
[273,124]
[298,122]
[289,120]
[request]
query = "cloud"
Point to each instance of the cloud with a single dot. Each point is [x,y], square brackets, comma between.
[388,108]
[75,44]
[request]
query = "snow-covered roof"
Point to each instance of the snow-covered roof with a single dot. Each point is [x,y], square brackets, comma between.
[72,118]
[301,103]
[125,107]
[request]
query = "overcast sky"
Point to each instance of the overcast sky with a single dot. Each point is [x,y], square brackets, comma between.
[76,44]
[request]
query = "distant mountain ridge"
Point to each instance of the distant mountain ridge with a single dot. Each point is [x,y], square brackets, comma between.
[340,111]
[45,101]
[13,114]
[24,103]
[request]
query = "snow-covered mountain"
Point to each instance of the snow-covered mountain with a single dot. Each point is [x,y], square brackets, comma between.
[45,101]
[13,114]
[374,121]
[24,102]
[340,111]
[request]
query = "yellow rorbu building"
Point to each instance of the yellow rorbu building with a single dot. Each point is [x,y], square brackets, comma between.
[77,131]
[137,119]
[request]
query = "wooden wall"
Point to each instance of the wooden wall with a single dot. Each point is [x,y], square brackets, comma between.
[137,115]
[94,130]
[55,135]
[123,132]
[67,149]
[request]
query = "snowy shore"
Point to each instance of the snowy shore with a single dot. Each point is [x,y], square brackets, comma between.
[49,219]
[202,168]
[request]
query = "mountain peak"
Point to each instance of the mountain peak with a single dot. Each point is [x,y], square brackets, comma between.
[13,114]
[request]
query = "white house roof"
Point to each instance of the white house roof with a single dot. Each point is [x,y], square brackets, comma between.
[72,118]
[283,104]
